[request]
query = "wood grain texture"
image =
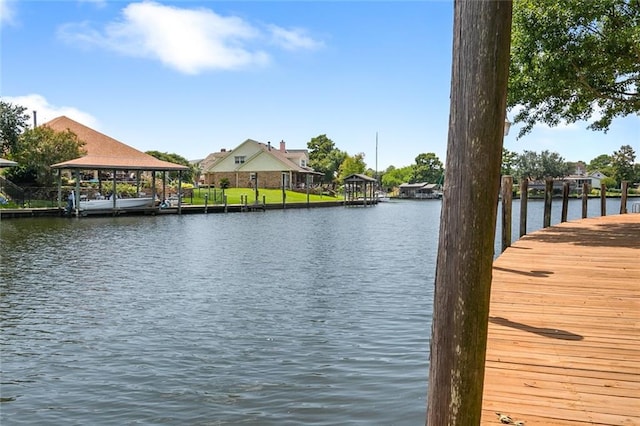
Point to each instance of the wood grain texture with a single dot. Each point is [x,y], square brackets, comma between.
[564,331]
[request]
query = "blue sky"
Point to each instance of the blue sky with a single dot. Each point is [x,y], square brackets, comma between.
[192,77]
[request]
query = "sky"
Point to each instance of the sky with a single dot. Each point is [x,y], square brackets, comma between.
[193,77]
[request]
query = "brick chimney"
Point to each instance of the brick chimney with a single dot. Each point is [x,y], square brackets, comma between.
[283,147]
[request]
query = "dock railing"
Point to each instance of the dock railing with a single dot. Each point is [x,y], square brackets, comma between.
[506,195]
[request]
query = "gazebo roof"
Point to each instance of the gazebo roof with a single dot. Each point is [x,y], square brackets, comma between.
[358,177]
[104,152]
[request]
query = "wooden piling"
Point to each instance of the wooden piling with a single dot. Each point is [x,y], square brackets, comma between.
[585,198]
[623,197]
[548,197]
[524,199]
[507,201]
[565,201]
[480,70]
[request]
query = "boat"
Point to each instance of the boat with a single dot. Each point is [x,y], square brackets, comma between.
[382,197]
[122,204]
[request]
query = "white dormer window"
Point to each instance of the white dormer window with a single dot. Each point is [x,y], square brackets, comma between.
[303,163]
[239,159]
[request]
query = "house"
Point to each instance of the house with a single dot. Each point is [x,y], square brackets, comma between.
[576,181]
[253,161]
[596,179]
[420,190]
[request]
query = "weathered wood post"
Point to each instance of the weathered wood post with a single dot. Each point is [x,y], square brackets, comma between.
[565,202]
[623,197]
[180,192]
[603,199]
[480,68]
[507,202]
[524,199]
[284,191]
[585,199]
[548,198]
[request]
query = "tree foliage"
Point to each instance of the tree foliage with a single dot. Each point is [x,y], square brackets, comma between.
[352,164]
[325,158]
[534,166]
[427,168]
[13,122]
[37,149]
[509,162]
[393,177]
[623,164]
[187,176]
[602,163]
[574,60]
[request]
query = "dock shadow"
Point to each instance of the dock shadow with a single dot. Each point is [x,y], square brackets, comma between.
[540,274]
[545,332]
[624,235]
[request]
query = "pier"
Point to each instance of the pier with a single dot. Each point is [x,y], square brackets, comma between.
[564,327]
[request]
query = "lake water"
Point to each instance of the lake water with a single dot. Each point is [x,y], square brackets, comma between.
[315,316]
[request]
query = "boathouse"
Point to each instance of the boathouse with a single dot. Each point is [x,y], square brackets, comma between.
[106,155]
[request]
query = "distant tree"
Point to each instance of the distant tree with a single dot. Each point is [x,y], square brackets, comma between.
[532,165]
[187,176]
[325,158]
[622,162]
[602,163]
[636,173]
[352,164]
[37,149]
[571,58]
[576,167]
[428,168]
[13,121]
[509,162]
[392,177]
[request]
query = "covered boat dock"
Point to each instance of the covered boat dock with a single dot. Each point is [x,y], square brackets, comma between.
[108,155]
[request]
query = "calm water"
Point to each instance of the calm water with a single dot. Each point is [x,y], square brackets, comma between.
[317,316]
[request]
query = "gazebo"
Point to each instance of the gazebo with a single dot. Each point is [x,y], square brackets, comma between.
[357,185]
[107,154]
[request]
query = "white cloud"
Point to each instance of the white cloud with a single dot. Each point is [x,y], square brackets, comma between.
[294,39]
[7,13]
[47,112]
[188,40]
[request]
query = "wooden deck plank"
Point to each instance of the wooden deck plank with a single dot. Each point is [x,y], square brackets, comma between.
[564,333]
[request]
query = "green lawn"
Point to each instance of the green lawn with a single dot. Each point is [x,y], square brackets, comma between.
[270,196]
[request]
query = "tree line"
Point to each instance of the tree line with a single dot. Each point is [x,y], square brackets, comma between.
[35,149]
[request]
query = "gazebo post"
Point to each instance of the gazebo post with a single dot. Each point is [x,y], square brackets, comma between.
[59,188]
[76,196]
[164,185]
[153,187]
[137,183]
[113,193]
[180,192]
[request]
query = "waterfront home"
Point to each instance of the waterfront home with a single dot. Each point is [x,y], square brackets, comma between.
[420,190]
[255,163]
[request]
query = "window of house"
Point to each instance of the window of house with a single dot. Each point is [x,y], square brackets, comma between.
[303,163]
[239,159]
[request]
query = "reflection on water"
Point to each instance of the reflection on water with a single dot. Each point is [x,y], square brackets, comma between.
[317,316]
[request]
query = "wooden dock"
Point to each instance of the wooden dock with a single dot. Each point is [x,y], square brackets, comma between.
[564,328]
